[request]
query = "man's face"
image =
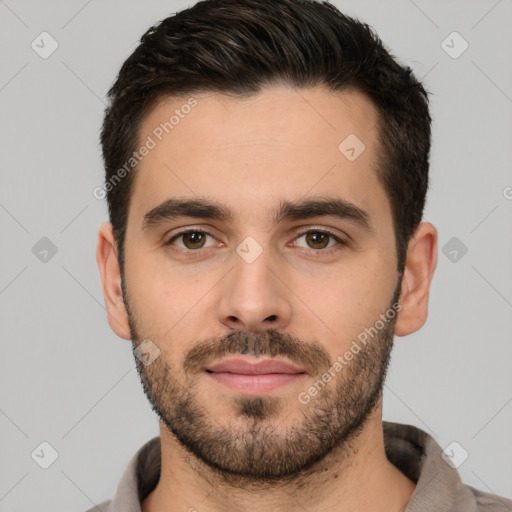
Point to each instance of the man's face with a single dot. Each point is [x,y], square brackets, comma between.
[256,285]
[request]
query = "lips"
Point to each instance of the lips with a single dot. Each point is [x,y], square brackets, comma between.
[243,366]
[254,377]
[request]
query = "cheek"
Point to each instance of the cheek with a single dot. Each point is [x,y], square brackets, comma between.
[349,300]
[337,314]
[164,300]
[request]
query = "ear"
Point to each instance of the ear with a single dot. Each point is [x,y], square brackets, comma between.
[106,256]
[419,270]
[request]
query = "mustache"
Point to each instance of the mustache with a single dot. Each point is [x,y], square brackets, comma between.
[271,343]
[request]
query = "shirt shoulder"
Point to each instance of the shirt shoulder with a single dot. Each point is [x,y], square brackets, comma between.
[488,502]
[439,487]
[138,480]
[104,506]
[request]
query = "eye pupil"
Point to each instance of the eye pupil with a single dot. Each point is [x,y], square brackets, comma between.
[313,237]
[195,238]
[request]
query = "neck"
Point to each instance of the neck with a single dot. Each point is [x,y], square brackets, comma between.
[356,477]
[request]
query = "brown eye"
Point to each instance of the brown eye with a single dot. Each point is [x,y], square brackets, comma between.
[194,240]
[317,240]
[190,240]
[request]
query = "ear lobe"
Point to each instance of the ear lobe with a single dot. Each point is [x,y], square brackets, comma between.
[107,258]
[418,273]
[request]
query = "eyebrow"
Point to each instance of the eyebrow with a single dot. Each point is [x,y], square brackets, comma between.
[202,208]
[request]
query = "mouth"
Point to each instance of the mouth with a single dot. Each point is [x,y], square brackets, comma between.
[254,376]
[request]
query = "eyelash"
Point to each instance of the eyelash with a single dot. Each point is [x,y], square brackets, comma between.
[190,252]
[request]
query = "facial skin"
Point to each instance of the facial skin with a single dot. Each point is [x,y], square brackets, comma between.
[303,300]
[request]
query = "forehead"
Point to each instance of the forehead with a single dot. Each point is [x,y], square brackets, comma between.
[281,143]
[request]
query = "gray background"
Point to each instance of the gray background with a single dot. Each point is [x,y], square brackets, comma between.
[68,380]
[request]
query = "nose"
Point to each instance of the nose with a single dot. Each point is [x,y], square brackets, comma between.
[255,296]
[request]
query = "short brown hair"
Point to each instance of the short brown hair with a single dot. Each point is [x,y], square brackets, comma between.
[238,46]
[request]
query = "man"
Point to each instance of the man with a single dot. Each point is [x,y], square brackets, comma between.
[266,173]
